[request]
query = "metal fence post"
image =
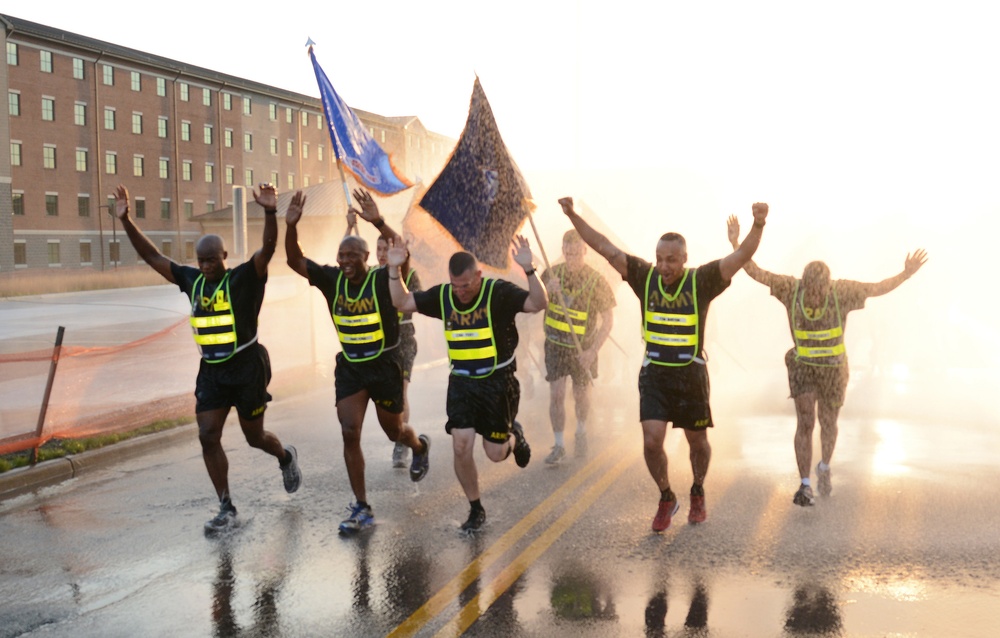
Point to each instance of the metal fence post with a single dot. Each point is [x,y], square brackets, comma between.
[48,391]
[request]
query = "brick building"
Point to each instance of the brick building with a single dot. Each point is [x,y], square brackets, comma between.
[83,115]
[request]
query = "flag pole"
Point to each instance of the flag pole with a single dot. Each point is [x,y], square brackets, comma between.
[337,153]
[561,298]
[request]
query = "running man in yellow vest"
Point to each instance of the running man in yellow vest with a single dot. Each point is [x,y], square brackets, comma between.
[589,303]
[368,365]
[673,380]
[235,368]
[483,393]
[817,363]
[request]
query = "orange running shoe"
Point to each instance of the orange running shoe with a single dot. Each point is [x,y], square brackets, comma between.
[664,511]
[697,513]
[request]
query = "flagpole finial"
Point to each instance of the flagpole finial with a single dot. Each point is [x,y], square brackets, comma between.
[309,42]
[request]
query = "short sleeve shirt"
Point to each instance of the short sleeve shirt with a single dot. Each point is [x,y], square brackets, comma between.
[579,294]
[851,295]
[325,278]
[507,300]
[246,292]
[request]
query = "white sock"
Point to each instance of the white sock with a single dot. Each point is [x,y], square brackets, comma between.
[559,439]
[581,427]
[823,467]
[805,481]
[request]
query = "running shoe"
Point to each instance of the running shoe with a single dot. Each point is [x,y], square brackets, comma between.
[522,451]
[823,484]
[557,454]
[697,513]
[224,521]
[361,518]
[804,496]
[399,453]
[580,449]
[475,521]
[290,473]
[421,462]
[664,512]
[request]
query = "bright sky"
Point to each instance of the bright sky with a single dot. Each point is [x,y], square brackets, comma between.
[872,128]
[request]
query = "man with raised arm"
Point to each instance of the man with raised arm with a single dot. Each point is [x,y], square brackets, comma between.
[368,365]
[817,311]
[235,368]
[587,314]
[483,393]
[673,380]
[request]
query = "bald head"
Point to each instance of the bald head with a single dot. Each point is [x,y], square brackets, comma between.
[353,242]
[211,252]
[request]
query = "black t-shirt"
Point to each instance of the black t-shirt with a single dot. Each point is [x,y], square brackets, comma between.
[507,300]
[246,292]
[325,278]
[709,280]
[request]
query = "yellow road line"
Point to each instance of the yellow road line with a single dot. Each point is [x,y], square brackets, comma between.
[444,597]
[482,601]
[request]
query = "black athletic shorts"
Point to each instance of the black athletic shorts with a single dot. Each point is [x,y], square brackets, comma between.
[240,382]
[381,377]
[407,350]
[488,405]
[829,383]
[677,394]
[561,361]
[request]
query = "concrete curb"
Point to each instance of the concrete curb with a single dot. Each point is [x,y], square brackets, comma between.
[27,479]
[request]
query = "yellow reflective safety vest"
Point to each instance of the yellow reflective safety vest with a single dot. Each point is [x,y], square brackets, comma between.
[213,322]
[558,319]
[819,340]
[472,346]
[670,322]
[358,320]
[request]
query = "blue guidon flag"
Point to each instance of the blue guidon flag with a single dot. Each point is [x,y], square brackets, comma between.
[354,147]
[480,197]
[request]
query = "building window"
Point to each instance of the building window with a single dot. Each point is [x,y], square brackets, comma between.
[272,112]
[305,181]
[14,103]
[48,156]
[110,163]
[319,152]
[161,87]
[80,114]
[114,251]
[291,181]
[17,200]
[274,177]
[164,168]
[78,68]
[183,89]
[274,146]
[305,150]
[246,106]
[305,118]
[11,54]
[161,126]
[137,123]
[136,79]
[109,119]
[383,136]
[83,206]
[185,131]
[189,248]
[228,138]
[140,208]
[289,148]
[167,248]
[208,134]
[109,75]
[15,153]
[227,101]
[248,141]
[45,58]
[186,170]
[20,250]
[288,115]
[229,175]
[319,122]
[84,252]
[209,173]
[81,160]
[209,206]
[164,209]
[248,178]
[54,259]
[48,109]
[188,209]
[138,165]
[51,205]
[206,97]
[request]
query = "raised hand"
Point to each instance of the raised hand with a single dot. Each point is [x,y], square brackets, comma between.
[521,252]
[121,201]
[567,205]
[268,196]
[397,253]
[759,214]
[295,208]
[369,209]
[914,262]
[733,230]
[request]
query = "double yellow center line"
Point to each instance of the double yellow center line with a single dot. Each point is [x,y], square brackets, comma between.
[482,601]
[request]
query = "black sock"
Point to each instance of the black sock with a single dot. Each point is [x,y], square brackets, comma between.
[286,459]
[667,495]
[363,504]
[476,505]
[697,490]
